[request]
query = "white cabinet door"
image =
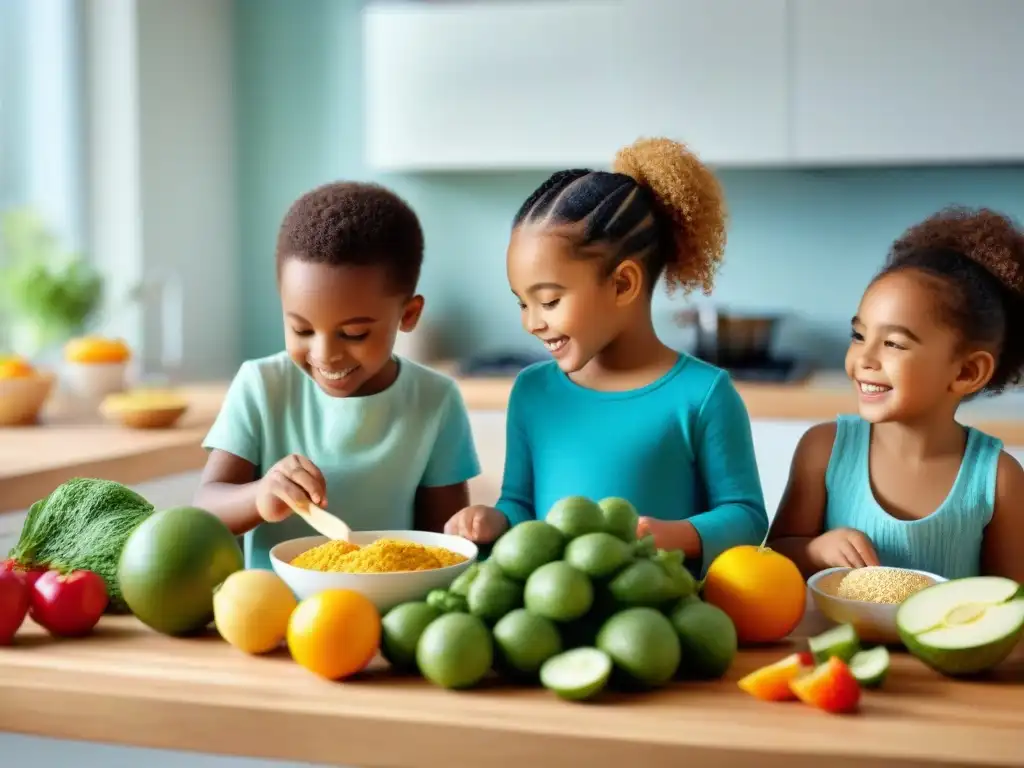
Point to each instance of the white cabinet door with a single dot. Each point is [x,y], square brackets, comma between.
[878,81]
[774,444]
[562,83]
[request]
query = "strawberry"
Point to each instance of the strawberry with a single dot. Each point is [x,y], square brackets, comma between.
[830,686]
[771,683]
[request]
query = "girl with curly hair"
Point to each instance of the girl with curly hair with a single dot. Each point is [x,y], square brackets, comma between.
[903,483]
[617,413]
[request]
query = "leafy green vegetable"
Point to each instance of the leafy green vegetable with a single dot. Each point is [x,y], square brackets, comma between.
[83,524]
[51,293]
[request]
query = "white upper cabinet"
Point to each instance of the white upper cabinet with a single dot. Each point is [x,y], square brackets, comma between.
[547,84]
[543,84]
[907,81]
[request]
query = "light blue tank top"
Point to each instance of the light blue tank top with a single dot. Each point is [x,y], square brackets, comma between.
[948,541]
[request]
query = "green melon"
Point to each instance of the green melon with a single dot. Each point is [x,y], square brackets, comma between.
[171,565]
[963,626]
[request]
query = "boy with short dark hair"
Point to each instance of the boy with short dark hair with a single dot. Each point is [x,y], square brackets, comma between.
[336,417]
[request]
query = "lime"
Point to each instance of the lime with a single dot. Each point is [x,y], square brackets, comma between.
[526,547]
[707,637]
[460,586]
[524,641]
[575,516]
[642,583]
[620,517]
[870,667]
[492,594]
[559,592]
[401,628]
[455,651]
[643,644]
[598,555]
[578,674]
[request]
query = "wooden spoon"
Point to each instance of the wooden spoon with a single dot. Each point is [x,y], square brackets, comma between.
[324,522]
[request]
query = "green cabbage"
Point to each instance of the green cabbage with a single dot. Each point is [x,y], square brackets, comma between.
[82,525]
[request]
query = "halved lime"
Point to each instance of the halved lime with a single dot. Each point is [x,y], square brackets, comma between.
[870,667]
[578,674]
[841,641]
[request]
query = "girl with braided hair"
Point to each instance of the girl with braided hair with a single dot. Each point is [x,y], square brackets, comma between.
[903,483]
[617,413]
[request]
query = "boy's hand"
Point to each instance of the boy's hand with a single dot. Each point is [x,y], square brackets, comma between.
[478,523]
[843,547]
[294,481]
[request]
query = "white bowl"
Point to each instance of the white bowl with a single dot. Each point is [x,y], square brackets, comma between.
[874,622]
[94,381]
[385,590]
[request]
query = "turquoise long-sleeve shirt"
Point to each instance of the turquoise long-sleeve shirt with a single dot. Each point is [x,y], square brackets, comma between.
[679,448]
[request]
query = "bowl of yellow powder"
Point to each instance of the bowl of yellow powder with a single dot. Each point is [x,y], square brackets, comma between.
[867,598]
[389,567]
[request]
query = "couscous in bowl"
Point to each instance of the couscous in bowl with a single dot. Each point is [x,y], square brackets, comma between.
[869,601]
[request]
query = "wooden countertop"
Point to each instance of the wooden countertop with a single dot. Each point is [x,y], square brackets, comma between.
[127,685]
[34,460]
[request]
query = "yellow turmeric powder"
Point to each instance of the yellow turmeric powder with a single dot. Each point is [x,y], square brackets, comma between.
[382,556]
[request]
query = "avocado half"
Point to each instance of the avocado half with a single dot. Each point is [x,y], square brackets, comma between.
[963,626]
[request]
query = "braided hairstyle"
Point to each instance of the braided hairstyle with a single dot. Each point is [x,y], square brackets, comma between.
[978,257]
[660,205]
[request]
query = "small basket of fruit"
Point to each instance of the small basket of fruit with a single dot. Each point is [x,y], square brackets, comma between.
[24,391]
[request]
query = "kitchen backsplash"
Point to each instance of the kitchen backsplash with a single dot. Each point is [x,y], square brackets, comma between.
[802,242]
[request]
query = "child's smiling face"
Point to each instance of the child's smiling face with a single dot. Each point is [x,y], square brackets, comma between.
[565,300]
[904,359]
[341,323]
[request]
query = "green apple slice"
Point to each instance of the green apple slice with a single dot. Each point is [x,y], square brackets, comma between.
[963,626]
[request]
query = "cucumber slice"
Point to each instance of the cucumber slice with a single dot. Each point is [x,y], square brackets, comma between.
[840,641]
[963,626]
[578,674]
[870,667]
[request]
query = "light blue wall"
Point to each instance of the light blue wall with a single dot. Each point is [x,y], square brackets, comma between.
[804,242]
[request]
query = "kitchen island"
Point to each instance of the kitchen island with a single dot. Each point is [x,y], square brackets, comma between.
[126,685]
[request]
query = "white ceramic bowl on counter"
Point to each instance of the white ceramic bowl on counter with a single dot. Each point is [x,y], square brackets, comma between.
[874,622]
[385,590]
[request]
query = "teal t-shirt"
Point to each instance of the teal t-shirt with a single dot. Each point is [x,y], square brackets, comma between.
[374,451]
[948,541]
[680,448]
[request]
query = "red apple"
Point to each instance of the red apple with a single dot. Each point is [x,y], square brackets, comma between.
[14,603]
[28,575]
[69,605]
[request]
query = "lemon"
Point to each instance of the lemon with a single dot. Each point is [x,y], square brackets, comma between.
[251,609]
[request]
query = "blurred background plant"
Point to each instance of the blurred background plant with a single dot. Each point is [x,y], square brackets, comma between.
[47,295]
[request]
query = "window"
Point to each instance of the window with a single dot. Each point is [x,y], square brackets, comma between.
[41,118]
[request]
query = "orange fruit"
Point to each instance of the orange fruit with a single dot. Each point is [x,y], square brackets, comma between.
[334,633]
[95,349]
[762,591]
[15,368]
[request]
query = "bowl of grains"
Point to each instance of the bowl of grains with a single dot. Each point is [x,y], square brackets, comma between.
[388,567]
[867,598]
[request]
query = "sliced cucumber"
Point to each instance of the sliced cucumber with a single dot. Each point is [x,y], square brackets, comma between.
[841,641]
[870,667]
[578,674]
[963,626]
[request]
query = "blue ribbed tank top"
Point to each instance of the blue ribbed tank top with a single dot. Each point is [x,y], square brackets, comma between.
[948,541]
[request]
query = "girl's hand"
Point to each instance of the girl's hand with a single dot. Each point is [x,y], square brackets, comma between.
[478,523]
[842,548]
[671,534]
[294,481]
